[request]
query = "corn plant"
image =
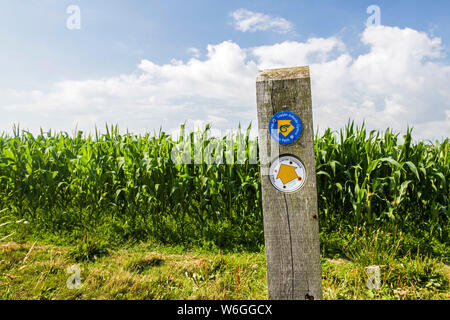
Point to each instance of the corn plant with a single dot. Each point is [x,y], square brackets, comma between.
[128,186]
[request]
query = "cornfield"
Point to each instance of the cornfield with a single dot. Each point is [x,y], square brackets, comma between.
[126,186]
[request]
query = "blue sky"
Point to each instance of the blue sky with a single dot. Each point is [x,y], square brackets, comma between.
[39,52]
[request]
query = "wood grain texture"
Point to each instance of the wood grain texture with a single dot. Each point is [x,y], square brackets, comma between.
[291,227]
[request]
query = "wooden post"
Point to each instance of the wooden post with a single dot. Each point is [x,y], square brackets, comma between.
[291,227]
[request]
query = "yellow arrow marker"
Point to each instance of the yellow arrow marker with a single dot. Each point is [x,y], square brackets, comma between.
[286,173]
[285,127]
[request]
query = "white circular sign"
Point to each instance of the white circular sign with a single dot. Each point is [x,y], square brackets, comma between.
[287,174]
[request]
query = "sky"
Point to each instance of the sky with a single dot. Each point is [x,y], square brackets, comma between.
[146,65]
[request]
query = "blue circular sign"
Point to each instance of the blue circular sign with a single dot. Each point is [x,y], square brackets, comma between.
[285,127]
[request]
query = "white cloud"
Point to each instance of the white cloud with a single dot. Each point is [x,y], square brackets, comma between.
[292,53]
[400,81]
[195,52]
[397,80]
[248,21]
[217,89]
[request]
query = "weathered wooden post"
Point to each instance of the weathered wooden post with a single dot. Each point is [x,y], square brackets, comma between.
[289,194]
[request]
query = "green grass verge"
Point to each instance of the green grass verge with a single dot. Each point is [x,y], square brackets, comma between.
[151,271]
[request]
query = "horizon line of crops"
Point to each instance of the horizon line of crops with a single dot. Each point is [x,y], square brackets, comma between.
[127,186]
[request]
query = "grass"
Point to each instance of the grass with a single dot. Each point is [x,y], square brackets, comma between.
[151,271]
[144,271]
